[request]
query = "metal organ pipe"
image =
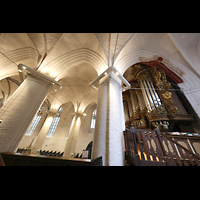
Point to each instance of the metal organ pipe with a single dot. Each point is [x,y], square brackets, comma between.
[130,108]
[148,94]
[133,100]
[151,90]
[155,101]
[145,96]
[156,95]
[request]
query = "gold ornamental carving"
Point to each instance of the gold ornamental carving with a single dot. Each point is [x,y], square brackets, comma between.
[163,85]
[167,95]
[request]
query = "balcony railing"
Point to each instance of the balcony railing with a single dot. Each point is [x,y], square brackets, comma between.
[153,148]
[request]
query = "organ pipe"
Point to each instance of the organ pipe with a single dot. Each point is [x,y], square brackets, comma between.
[148,94]
[145,97]
[156,95]
[133,100]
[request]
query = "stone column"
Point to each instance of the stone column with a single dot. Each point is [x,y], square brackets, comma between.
[108,138]
[39,140]
[19,110]
[70,146]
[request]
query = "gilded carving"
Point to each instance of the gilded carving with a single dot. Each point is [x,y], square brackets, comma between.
[160,110]
[144,75]
[167,95]
[161,104]
[172,110]
[141,123]
[164,86]
[138,69]
[162,125]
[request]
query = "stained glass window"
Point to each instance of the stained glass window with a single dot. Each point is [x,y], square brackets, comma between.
[54,123]
[93,121]
[35,121]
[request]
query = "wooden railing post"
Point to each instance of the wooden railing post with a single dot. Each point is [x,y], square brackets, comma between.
[162,147]
[137,158]
[134,140]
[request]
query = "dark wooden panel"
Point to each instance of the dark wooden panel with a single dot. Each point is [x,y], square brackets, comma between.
[1,161]
[17,159]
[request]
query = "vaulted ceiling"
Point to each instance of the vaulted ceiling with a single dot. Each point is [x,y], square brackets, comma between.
[75,59]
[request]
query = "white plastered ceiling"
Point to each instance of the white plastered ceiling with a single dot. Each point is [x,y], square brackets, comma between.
[76,59]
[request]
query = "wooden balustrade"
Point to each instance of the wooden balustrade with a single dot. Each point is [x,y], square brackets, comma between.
[153,148]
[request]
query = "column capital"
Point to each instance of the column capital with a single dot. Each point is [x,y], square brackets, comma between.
[24,68]
[80,114]
[111,72]
[51,112]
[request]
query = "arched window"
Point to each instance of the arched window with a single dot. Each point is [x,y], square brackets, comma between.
[35,121]
[54,123]
[93,121]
